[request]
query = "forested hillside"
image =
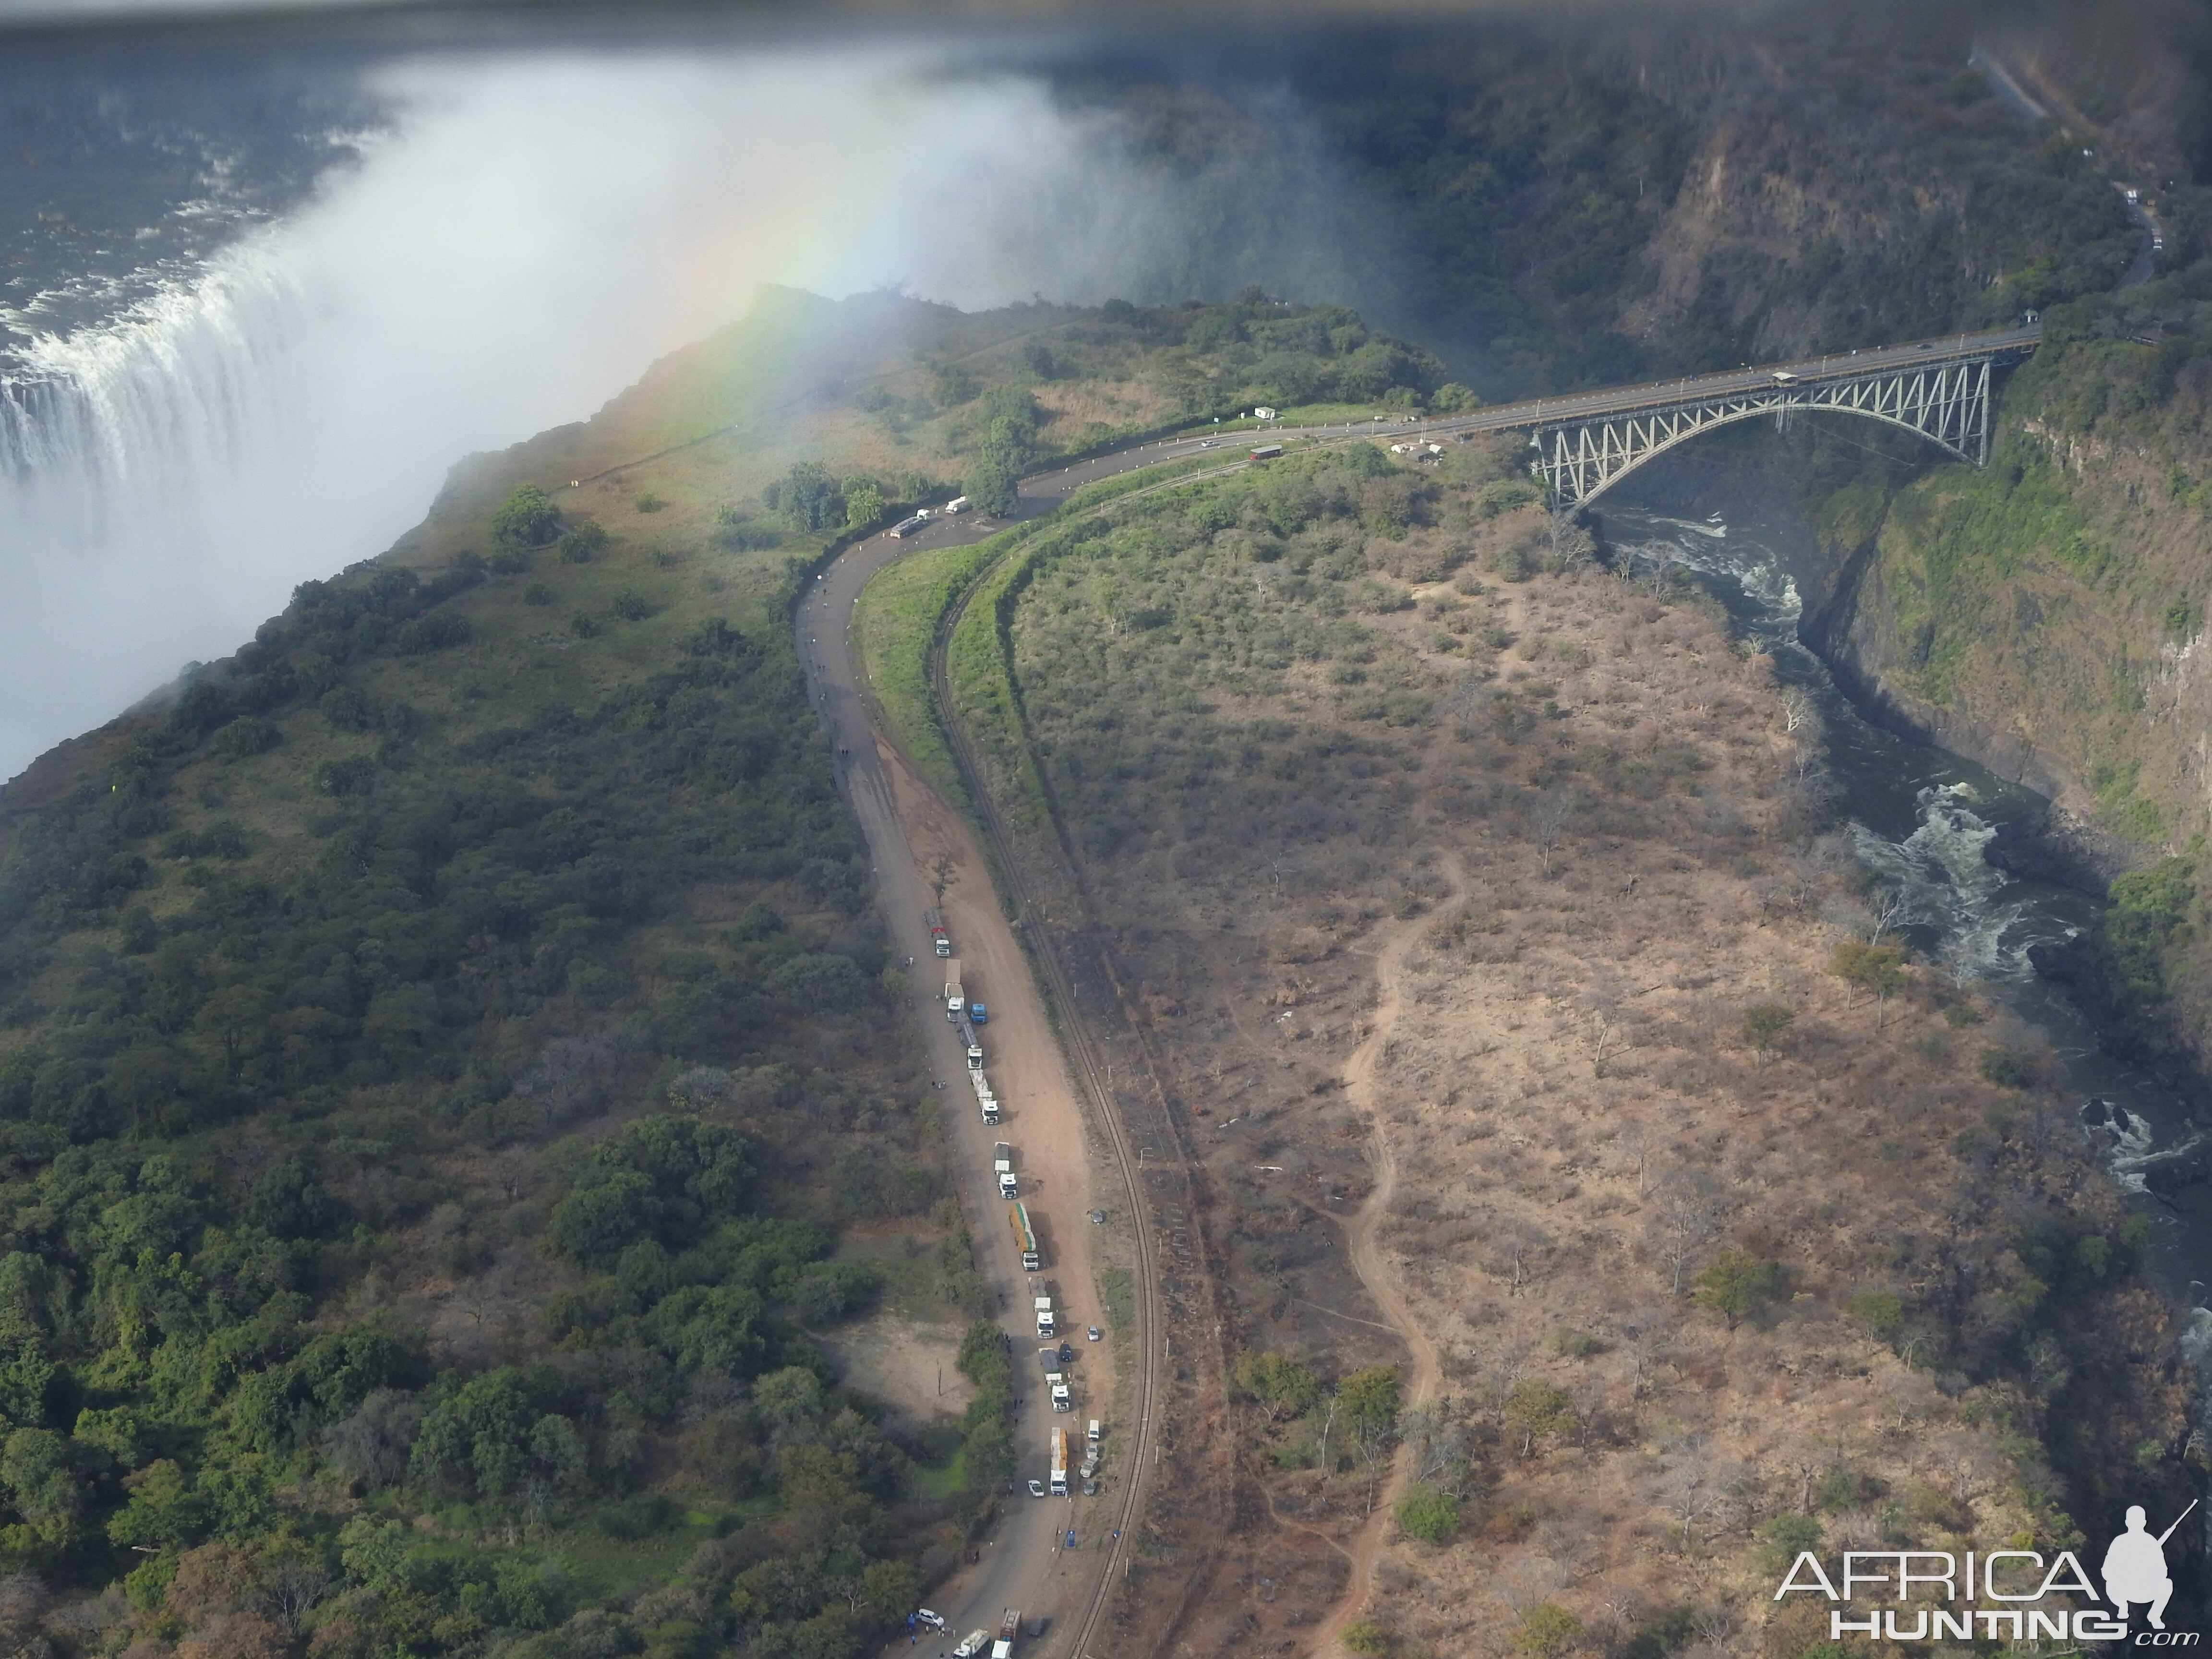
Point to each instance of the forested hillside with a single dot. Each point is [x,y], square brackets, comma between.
[1555,208]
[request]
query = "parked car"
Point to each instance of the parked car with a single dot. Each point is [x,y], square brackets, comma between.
[1091,1489]
[1036,1488]
[1096,1335]
[934,1620]
[1067,1351]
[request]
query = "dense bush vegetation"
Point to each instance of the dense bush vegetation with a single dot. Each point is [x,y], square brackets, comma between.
[319,1336]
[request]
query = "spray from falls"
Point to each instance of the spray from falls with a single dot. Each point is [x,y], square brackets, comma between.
[533,231]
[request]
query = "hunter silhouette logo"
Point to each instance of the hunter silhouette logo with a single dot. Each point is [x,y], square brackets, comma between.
[2019,1582]
[2135,1567]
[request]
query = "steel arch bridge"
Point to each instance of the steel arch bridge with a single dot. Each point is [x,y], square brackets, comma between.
[1587,443]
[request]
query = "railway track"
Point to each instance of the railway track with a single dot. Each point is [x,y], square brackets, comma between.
[1093,1075]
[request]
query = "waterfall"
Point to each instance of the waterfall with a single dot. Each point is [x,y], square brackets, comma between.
[532,231]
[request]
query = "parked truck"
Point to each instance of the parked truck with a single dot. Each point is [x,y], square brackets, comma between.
[1046,1324]
[1063,1398]
[984,1099]
[1002,1164]
[1009,1627]
[1026,1242]
[939,940]
[955,999]
[1060,1463]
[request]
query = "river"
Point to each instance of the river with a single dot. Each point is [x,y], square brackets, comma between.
[1919,818]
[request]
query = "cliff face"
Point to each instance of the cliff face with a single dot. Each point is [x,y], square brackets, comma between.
[2047,616]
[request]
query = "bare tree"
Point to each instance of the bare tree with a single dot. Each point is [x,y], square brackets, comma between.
[1636,1140]
[1646,1341]
[1548,817]
[1890,909]
[1797,709]
[1604,1002]
[1685,1489]
[292,1588]
[1440,1447]
[1515,1245]
[1691,1210]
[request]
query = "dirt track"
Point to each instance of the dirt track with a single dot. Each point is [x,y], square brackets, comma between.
[912,835]
[1375,1272]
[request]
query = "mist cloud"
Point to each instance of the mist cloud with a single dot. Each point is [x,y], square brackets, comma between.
[535,231]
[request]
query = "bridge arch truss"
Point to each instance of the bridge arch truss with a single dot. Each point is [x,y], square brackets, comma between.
[1947,402]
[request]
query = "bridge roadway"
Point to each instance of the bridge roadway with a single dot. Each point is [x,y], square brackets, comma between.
[1534,412]
[1529,414]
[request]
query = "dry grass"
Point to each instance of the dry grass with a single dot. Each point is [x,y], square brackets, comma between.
[1579,1123]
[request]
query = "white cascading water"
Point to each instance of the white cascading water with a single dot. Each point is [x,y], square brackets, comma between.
[532,233]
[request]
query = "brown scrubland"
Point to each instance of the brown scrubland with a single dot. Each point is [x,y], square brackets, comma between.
[1588,1243]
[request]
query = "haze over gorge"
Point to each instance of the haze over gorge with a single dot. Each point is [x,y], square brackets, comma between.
[521,234]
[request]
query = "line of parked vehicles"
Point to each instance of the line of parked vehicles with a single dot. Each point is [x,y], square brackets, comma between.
[968,1016]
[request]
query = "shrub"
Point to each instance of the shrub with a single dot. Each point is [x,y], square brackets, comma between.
[246,736]
[1430,1515]
[641,1516]
[2008,1068]
[1781,1538]
[1763,1022]
[630,604]
[438,631]
[1879,1313]
[585,543]
[1547,1630]
[527,519]
[353,774]
[1736,1283]
[1367,1636]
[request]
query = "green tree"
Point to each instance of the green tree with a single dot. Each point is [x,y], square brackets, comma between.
[1536,1408]
[1878,1313]
[1547,1630]
[1878,969]
[807,497]
[1736,1283]
[1282,1387]
[1366,1636]
[1430,1515]
[863,506]
[526,518]
[1781,1538]
[1763,1022]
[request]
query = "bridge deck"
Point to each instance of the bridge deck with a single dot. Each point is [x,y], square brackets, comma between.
[1699,388]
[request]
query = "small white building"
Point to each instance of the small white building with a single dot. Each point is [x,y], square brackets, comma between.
[1263,413]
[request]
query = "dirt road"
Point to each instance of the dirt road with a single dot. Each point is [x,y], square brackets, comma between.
[915,841]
